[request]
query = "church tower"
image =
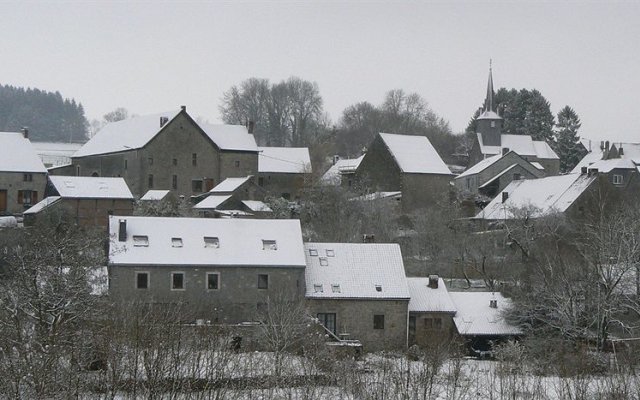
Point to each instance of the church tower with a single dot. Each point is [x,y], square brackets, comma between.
[489,123]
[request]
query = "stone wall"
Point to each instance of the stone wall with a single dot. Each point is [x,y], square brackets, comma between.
[13,182]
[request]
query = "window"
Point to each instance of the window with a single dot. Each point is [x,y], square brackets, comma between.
[27,177]
[142,280]
[378,322]
[493,124]
[433,323]
[176,242]
[177,281]
[323,261]
[237,164]
[331,253]
[260,181]
[263,281]
[174,182]
[269,245]
[150,159]
[196,186]
[335,288]
[328,320]
[27,197]
[126,164]
[77,170]
[175,161]
[618,179]
[210,241]
[194,159]
[213,281]
[318,289]
[378,288]
[313,252]
[141,241]
[150,181]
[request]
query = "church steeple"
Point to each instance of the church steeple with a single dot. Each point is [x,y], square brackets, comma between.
[489,123]
[488,101]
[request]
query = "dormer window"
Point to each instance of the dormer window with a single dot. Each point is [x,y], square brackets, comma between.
[210,241]
[493,124]
[331,253]
[324,262]
[269,245]
[313,252]
[318,289]
[335,288]
[141,241]
[176,242]
[378,288]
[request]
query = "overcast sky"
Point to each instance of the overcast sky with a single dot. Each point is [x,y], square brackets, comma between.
[151,57]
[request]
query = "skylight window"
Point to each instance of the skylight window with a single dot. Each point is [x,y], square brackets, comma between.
[331,253]
[378,288]
[176,242]
[335,288]
[318,289]
[313,252]
[210,241]
[141,241]
[323,261]
[269,245]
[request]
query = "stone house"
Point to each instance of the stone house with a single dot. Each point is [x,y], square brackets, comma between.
[234,197]
[23,177]
[405,163]
[358,292]
[342,172]
[220,270]
[168,151]
[90,201]
[491,175]
[431,312]
[283,171]
[490,141]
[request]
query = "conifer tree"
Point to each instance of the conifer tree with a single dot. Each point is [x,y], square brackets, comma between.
[567,142]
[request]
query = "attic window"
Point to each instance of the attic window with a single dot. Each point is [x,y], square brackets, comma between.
[141,241]
[335,288]
[269,245]
[318,289]
[211,242]
[378,288]
[176,242]
[331,253]
[324,262]
[313,252]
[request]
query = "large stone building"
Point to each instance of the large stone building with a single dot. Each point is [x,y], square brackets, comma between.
[490,140]
[405,163]
[23,177]
[167,151]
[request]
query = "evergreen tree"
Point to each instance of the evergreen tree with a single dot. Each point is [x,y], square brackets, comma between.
[567,142]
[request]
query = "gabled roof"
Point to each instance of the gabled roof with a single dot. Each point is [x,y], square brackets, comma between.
[497,176]
[426,299]
[255,205]
[212,202]
[230,185]
[290,160]
[333,175]
[524,145]
[481,166]
[354,271]
[91,187]
[42,204]
[609,165]
[131,133]
[231,242]
[476,317]
[230,137]
[543,196]
[17,154]
[415,154]
[155,195]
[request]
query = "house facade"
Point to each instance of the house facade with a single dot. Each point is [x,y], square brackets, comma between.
[283,171]
[431,312]
[23,177]
[219,270]
[167,151]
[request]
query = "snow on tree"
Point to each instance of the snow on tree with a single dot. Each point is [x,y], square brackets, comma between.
[567,142]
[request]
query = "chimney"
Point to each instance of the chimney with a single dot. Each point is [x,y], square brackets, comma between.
[493,303]
[620,151]
[251,126]
[593,171]
[25,132]
[505,196]
[505,150]
[163,121]
[336,158]
[602,145]
[183,108]
[433,281]
[122,230]
[368,238]
[583,170]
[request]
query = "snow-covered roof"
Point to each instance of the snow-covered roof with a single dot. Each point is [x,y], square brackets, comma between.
[290,160]
[255,205]
[489,115]
[131,133]
[607,166]
[537,165]
[481,166]
[230,137]
[17,154]
[230,185]
[355,271]
[521,144]
[206,241]
[497,176]
[542,196]
[42,204]
[333,175]
[476,317]
[415,154]
[155,195]
[588,159]
[91,187]
[212,202]
[426,299]
[378,196]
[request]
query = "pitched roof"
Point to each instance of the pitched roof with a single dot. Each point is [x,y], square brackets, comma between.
[476,317]
[230,137]
[415,154]
[91,187]
[611,164]
[155,195]
[17,154]
[333,175]
[544,195]
[212,202]
[255,205]
[426,299]
[230,185]
[291,160]
[240,242]
[524,145]
[481,166]
[42,204]
[497,176]
[354,270]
